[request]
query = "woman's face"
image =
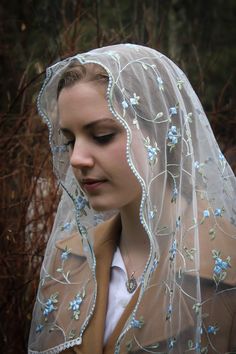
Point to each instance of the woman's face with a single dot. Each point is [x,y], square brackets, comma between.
[98,147]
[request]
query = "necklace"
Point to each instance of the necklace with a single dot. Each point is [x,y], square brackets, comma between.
[131,283]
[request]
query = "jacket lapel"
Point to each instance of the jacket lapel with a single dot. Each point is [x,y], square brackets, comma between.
[105,239]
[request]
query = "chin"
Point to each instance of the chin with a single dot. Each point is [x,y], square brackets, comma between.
[101,208]
[103,205]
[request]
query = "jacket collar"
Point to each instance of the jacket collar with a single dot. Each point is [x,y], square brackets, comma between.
[106,237]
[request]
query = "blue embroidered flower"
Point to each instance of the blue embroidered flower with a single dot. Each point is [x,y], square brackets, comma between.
[200,168]
[65,254]
[97,219]
[220,267]
[152,213]
[173,135]
[178,222]
[75,305]
[198,347]
[171,342]
[81,202]
[137,323]
[218,211]
[60,148]
[173,111]
[173,250]
[217,270]
[222,160]
[160,83]
[221,156]
[134,100]
[66,227]
[174,194]
[206,213]
[212,329]
[49,305]
[39,328]
[151,151]
[124,104]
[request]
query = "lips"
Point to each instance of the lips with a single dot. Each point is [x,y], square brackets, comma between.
[90,184]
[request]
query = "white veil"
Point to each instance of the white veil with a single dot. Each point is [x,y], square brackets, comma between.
[188,210]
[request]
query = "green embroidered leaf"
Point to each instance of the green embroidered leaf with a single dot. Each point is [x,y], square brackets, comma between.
[197,307]
[72,334]
[212,233]
[190,344]
[215,253]
[129,345]
[144,66]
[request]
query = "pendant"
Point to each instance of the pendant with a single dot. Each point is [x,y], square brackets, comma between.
[131,284]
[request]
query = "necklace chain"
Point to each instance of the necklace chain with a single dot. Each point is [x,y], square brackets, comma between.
[131,282]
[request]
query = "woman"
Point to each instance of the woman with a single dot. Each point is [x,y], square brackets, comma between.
[141,258]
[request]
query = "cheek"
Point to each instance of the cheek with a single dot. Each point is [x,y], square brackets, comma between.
[123,172]
[117,165]
[118,159]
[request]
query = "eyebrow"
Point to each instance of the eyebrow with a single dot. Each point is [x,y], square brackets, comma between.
[91,124]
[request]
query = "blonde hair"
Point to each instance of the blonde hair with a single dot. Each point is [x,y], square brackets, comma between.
[77,72]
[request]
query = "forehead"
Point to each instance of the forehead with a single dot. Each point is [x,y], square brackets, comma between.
[81,91]
[84,103]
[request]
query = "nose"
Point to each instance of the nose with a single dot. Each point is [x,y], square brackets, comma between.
[81,155]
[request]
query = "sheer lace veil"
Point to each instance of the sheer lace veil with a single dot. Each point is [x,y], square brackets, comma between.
[188,209]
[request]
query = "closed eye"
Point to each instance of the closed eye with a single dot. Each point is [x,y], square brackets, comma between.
[104,139]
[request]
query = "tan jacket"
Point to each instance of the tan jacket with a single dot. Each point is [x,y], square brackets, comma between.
[105,242]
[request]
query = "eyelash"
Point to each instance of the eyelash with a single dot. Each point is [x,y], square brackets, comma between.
[104,139]
[101,140]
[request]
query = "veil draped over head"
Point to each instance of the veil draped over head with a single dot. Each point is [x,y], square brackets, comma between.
[188,209]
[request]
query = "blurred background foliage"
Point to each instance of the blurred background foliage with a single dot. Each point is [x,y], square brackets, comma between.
[198,35]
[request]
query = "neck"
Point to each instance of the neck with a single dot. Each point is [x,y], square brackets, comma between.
[134,242]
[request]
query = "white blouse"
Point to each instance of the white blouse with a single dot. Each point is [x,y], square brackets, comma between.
[118,297]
